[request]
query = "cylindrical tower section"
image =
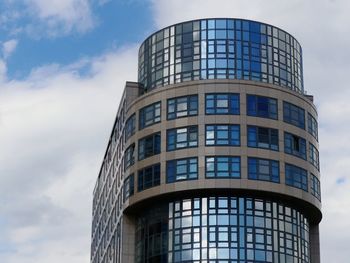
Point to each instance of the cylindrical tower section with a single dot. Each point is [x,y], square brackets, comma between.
[221,161]
[221,49]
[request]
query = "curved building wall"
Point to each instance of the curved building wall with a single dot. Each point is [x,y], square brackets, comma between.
[222,229]
[221,49]
[202,151]
[229,167]
[221,164]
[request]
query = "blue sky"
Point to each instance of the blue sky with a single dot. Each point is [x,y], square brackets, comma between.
[112,24]
[63,67]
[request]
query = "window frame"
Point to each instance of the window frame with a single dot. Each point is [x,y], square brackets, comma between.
[231,100]
[190,131]
[129,187]
[129,156]
[189,110]
[289,110]
[290,145]
[154,107]
[258,143]
[294,182]
[256,112]
[315,186]
[230,138]
[231,161]
[259,175]
[314,156]
[312,125]
[154,137]
[155,178]
[130,127]
[174,164]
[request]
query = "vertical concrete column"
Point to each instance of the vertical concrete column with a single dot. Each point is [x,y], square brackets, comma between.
[314,244]
[128,237]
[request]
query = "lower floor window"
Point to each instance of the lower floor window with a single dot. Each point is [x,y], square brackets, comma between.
[263,169]
[296,177]
[148,177]
[223,167]
[128,187]
[225,229]
[182,169]
[315,187]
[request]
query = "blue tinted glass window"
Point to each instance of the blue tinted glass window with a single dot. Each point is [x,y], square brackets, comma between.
[263,169]
[182,107]
[128,187]
[222,135]
[182,169]
[314,156]
[148,177]
[129,156]
[182,138]
[150,115]
[258,48]
[262,137]
[130,127]
[312,126]
[223,166]
[296,177]
[149,146]
[234,229]
[294,145]
[293,114]
[222,103]
[315,187]
[260,106]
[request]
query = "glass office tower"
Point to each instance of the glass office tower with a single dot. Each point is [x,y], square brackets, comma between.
[213,156]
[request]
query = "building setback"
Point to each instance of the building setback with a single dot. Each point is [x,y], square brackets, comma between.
[213,156]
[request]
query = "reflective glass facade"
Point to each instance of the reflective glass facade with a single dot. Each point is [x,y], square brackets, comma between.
[222,230]
[221,49]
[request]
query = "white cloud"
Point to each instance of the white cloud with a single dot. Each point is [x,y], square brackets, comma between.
[9,47]
[62,16]
[323,29]
[43,18]
[3,70]
[54,127]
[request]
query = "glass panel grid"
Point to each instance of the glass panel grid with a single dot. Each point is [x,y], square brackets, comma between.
[294,115]
[226,229]
[221,134]
[149,115]
[219,103]
[181,138]
[263,169]
[296,177]
[182,169]
[182,107]
[222,167]
[261,137]
[239,50]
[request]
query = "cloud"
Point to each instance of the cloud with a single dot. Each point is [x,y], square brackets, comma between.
[54,127]
[9,47]
[3,70]
[61,16]
[323,29]
[42,18]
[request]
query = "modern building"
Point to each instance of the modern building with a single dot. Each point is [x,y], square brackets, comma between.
[213,156]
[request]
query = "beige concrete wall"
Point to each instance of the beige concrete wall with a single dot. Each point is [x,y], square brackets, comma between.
[233,86]
[304,199]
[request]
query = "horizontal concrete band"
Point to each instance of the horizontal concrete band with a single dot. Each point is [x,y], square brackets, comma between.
[302,199]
